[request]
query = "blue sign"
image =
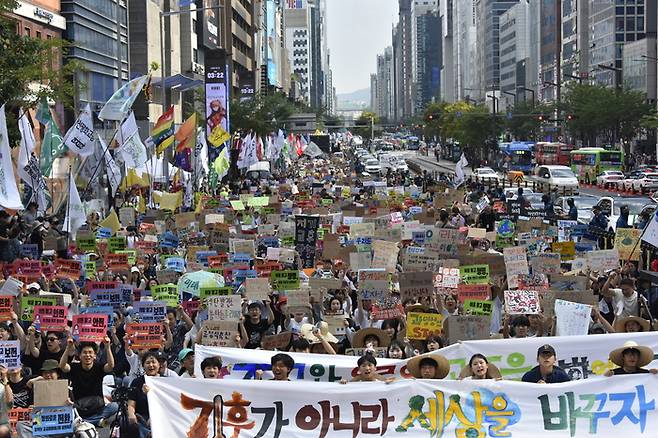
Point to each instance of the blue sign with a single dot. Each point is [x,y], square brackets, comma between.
[109,297]
[30,250]
[52,421]
[149,311]
[175,264]
[104,233]
[202,256]
[168,240]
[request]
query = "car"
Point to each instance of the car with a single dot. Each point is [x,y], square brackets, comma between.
[535,200]
[557,176]
[373,166]
[513,191]
[626,182]
[612,208]
[486,174]
[644,182]
[609,178]
[401,165]
[583,203]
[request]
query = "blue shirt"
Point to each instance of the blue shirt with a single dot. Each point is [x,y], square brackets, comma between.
[558,375]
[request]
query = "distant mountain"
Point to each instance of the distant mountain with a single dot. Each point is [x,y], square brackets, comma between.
[359,99]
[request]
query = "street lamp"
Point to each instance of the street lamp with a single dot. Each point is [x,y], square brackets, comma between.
[510,94]
[614,69]
[531,91]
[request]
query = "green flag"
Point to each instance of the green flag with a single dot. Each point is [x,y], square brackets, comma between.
[52,147]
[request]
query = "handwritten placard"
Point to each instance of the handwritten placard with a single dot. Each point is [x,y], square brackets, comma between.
[224,308]
[519,302]
[219,333]
[423,325]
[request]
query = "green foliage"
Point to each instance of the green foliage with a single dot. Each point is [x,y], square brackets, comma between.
[524,123]
[263,114]
[364,122]
[470,125]
[26,71]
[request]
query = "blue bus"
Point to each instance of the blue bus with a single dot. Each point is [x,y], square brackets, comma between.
[517,155]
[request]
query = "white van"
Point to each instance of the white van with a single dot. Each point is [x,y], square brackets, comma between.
[560,176]
[259,171]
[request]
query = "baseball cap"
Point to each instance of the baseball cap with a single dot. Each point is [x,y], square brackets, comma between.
[546,349]
[34,285]
[184,353]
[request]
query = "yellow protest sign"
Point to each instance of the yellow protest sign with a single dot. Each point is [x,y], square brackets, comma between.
[625,240]
[422,325]
[567,250]
[218,136]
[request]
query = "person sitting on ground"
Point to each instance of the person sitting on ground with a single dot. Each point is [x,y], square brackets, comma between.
[630,358]
[546,371]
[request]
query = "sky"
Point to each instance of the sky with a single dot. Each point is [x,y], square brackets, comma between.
[358,30]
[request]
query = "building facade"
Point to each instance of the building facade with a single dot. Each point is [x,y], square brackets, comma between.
[514,48]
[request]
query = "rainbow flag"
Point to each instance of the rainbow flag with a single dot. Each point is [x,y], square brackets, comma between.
[162,133]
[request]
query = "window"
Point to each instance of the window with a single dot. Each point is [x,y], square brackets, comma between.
[630,10]
[28,32]
[630,24]
[640,24]
[38,35]
[195,55]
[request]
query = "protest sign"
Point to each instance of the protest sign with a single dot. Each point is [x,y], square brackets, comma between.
[522,302]
[478,307]
[467,327]
[279,342]
[257,289]
[89,327]
[378,352]
[11,286]
[603,260]
[423,325]
[219,333]
[6,307]
[626,242]
[327,283]
[416,284]
[298,300]
[572,318]
[50,318]
[306,235]
[567,282]
[545,263]
[107,297]
[207,292]
[447,278]
[336,323]
[385,254]
[50,392]
[474,274]
[28,268]
[224,308]
[19,414]
[29,301]
[30,250]
[473,292]
[10,354]
[145,335]
[165,277]
[51,420]
[373,284]
[516,263]
[85,242]
[284,280]
[567,250]
[166,292]
[149,311]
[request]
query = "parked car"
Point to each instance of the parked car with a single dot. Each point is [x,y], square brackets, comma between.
[560,176]
[583,203]
[486,174]
[643,183]
[609,178]
[612,207]
[373,167]
[625,183]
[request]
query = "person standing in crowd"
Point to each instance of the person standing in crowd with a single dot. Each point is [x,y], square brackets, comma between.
[630,358]
[433,366]
[546,371]
[138,407]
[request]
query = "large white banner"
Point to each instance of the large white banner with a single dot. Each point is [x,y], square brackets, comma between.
[582,357]
[202,408]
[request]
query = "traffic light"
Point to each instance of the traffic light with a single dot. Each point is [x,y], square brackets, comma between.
[570,117]
[540,117]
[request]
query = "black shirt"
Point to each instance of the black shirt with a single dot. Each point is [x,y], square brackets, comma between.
[255,332]
[137,395]
[622,371]
[556,376]
[23,396]
[35,363]
[86,383]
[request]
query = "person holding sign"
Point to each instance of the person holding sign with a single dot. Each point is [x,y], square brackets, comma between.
[253,327]
[479,368]
[546,371]
[630,358]
[6,401]
[86,379]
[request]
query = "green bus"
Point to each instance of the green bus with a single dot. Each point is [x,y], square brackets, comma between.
[587,163]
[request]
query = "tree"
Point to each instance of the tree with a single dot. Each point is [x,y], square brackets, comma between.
[263,114]
[524,123]
[471,125]
[432,116]
[364,124]
[26,62]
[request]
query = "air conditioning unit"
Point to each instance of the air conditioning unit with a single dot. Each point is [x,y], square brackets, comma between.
[198,68]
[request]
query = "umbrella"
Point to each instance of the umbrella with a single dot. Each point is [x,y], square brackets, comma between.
[192,282]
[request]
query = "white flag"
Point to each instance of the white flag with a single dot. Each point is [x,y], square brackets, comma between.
[132,149]
[28,165]
[80,138]
[122,100]
[459,171]
[113,170]
[75,211]
[244,152]
[9,196]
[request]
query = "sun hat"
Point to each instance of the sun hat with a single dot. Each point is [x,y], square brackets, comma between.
[646,354]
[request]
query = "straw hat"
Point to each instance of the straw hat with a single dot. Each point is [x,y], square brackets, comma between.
[646,354]
[306,332]
[620,324]
[358,341]
[420,308]
[492,372]
[442,365]
[324,331]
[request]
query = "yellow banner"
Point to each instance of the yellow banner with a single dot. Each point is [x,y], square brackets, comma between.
[218,136]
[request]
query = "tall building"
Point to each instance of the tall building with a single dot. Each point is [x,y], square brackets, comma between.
[318,51]
[99,31]
[39,19]
[402,61]
[448,66]
[514,48]
[373,92]
[425,52]
[488,42]
[460,80]
[385,85]
[297,22]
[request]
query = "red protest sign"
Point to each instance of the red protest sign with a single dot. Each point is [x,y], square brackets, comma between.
[117,262]
[145,335]
[6,307]
[50,318]
[89,327]
[146,247]
[28,268]
[48,271]
[265,269]
[68,269]
[480,292]
[191,307]
[19,414]
[102,285]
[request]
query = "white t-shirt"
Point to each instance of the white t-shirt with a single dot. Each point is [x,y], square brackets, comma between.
[625,306]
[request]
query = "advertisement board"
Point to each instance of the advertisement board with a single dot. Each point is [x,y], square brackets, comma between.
[217,84]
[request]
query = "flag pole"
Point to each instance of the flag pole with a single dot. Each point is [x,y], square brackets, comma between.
[68,210]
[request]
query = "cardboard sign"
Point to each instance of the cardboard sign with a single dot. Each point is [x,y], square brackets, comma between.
[257,289]
[566,283]
[572,318]
[52,421]
[279,341]
[546,263]
[298,300]
[165,277]
[416,284]
[519,302]
[373,284]
[51,392]
[220,333]
[423,325]
[478,307]
[127,216]
[603,260]
[28,302]
[385,254]
[473,292]
[10,354]
[145,335]
[516,263]
[567,250]
[224,308]
[626,239]
[6,307]
[327,283]
[51,318]
[12,286]
[89,327]
[149,311]
[474,274]
[284,280]
[467,328]
[167,293]
[336,323]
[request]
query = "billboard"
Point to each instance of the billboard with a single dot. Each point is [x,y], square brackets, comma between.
[210,24]
[273,16]
[247,86]
[217,86]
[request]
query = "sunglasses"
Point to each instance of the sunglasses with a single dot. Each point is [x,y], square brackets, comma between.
[52,339]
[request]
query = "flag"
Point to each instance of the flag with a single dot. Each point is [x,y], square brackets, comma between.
[259,149]
[459,171]
[9,196]
[186,134]
[201,155]
[183,160]
[112,168]
[162,133]
[248,155]
[52,146]
[111,222]
[43,112]
[28,165]
[218,136]
[122,100]
[132,149]
[80,138]
[222,163]
[75,211]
